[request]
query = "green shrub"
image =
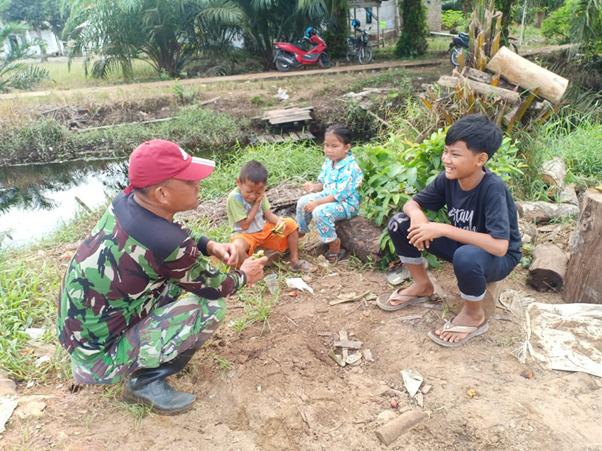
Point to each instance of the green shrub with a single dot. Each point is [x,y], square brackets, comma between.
[453,19]
[557,26]
[397,169]
[412,41]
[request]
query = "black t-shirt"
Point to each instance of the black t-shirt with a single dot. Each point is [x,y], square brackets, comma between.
[487,208]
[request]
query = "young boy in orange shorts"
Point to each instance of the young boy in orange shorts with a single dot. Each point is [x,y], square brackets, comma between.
[254,224]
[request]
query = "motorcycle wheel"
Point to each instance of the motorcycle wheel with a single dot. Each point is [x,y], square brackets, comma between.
[350,55]
[324,61]
[454,53]
[282,66]
[365,56]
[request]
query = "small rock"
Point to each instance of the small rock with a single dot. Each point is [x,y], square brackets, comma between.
[527,374]
[427,388]
[7,385]
[42,360]
[307,278]
[30,409]
[354,359]
[62,435]
[394,403]
[420,399]
[294,294]
[35,333]
[7,406]
[259,388]
[386,415]
[368,357]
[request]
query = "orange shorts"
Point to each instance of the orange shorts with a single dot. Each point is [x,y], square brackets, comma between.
[266,238]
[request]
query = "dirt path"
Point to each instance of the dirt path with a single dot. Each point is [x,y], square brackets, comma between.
[230,78]
[273,387]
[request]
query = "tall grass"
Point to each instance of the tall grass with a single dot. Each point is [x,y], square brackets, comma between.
[64,77]
[195,129]
[578,147]
[28,290]
[287,161]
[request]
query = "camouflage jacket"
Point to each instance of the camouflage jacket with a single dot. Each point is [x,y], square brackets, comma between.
[121,268]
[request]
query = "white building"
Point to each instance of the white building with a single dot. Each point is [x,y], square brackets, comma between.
[383,17]
[54,46]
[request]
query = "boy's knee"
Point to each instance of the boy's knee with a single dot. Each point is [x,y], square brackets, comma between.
[399,224]
[466,260]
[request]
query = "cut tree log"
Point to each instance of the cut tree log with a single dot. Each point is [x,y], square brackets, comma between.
[480,88]
[360,236]
[554,172]
[569,195]
[388,433]
[548,268]
[544,211]
[583,282]
[528,75]
[477,75]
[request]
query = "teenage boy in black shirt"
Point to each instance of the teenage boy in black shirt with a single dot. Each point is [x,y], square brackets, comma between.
[482,241]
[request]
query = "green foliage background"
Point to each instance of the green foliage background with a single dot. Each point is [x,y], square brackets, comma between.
[412,41]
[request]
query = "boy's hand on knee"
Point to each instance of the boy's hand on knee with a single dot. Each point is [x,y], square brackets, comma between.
[421,235]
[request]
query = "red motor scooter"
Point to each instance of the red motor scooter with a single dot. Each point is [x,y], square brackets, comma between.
[288,56]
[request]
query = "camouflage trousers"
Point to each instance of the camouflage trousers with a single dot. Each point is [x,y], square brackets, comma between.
[172,326]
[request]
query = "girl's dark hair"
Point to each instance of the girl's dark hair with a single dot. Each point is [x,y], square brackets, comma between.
[340,132]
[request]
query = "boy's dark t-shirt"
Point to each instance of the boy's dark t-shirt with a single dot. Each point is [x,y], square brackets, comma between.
[487,208]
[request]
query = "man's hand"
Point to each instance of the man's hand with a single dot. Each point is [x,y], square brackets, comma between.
[421,235]
[311,206]
[253,268]
[225,252]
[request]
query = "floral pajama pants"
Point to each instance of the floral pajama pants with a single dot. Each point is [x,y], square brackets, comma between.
[324,215]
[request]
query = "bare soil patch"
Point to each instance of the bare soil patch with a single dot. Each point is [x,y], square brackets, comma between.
[277,388]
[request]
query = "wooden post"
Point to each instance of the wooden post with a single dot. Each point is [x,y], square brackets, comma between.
[548,268]
[528,75]
[583,282]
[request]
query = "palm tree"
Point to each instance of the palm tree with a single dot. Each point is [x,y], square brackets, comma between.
[165,33]
[586,24]
[13,73]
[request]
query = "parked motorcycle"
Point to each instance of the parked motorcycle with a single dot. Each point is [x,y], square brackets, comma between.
[289,56]
[457,46]
[357,47]
[461,42]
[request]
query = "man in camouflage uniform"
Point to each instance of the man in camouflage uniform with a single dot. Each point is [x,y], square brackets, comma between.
[120,311]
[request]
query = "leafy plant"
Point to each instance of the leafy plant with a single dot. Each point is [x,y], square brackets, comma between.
[453,19]
[558,24]
[412,41]
[15,74]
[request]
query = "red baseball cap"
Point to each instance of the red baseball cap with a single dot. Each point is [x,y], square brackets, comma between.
[158,160]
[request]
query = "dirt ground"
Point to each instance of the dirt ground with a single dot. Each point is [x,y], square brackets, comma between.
[274,387]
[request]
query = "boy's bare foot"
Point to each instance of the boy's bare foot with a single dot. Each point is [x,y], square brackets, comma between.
[469,316]
[411,292]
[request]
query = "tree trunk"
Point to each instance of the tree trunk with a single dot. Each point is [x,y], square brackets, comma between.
[583,281]
[528,75]
[360,236]
[548,268]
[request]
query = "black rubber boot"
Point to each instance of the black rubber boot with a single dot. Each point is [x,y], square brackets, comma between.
[149,386]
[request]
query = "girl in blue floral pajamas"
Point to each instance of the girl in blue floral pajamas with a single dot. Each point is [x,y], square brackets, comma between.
[336,195]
